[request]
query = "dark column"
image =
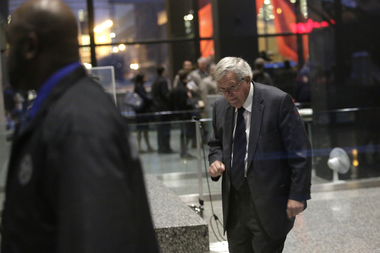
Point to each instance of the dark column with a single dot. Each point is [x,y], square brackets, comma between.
[340,51]
[197,46]
[235,30]
[182,50]
[90,11]
[4,10]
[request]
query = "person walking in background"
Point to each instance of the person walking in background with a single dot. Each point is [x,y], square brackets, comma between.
[201,72]
[194,81]
[285,77]
[302,90]
[181,96]
[260,148]
[197,75]
[161,97]
[74,182]
[208,85]
[259,75]
[141,119]
[188,67]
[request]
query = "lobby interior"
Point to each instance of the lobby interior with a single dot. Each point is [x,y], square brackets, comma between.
[344,111]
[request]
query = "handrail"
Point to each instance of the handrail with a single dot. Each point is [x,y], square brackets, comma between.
[134,114]
[353,109]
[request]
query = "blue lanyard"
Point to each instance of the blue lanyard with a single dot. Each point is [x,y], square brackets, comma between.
[46,88]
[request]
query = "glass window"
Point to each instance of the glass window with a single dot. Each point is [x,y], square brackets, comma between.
[206,30]
[128,60]
[275,16]
[78,7]
[85,55]
[283,47]
[127,21]
[282,18]
[345,83]
[137,20]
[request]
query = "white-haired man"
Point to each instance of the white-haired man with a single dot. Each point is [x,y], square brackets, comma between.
[260,147]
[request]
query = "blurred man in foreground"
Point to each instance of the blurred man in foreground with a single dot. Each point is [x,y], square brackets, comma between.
[74,182]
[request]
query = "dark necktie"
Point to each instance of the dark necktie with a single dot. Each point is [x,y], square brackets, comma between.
[240,144]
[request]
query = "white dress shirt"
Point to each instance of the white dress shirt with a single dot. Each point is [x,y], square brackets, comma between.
[247,119]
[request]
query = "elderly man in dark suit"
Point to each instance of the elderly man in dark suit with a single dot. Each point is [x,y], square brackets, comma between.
[260,148]
[75,183]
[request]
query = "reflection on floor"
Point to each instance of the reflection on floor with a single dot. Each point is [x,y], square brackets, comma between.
[334,222]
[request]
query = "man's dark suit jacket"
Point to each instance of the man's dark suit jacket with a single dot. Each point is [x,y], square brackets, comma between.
[279,156]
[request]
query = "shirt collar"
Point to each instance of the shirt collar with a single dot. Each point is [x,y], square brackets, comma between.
[248,102]
[46,88]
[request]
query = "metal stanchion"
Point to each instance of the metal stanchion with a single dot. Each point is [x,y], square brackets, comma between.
[198,128]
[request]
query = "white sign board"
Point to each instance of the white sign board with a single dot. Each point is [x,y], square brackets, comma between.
[105,75]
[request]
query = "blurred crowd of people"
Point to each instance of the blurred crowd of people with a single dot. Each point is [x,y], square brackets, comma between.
[294,80]
[186,96]
[182,99]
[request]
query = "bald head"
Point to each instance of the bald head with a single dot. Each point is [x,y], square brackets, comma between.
[51,20]
[43,36]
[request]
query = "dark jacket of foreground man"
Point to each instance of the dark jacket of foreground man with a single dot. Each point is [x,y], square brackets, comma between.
[75,184]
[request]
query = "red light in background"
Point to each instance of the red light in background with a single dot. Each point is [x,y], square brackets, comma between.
[309,26]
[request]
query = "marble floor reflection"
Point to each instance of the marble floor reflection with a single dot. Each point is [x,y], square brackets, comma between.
[343,221]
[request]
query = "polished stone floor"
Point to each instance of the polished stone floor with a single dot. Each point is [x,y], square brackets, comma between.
[334,222]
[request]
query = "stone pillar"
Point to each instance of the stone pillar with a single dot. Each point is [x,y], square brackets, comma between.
[179,28]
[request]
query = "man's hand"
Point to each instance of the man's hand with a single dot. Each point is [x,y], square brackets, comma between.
[294,208]
[216,169]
